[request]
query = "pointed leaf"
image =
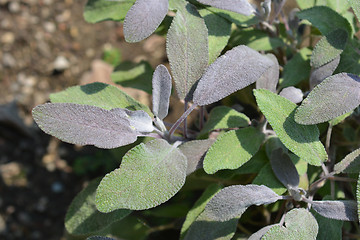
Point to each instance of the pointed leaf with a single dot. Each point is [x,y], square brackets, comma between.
[329,48]
[293,94]
[267,178]
[223,117]
[82,217]
[284,169]
[231,202]
[326,100]
[339,119]
[319,74]
[85,125]
[143,18]
[232,149]
[161,84]
[350,164]
[270,78]
[329,229]
[233,71]
[187,48]
[99,95]
[149,174]
[238,19]
[301,140]
[195,151]
[355,5]
[238,6]
[300,224]
[140,121]
[345,210]
[259,234]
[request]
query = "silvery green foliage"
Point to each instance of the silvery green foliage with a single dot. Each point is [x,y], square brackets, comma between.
[238,6]
[319,74]
[161,84]
[143,18]
[139,120]
[326,100]
[85,125]
[284,169]
[270,78]
[345,210]
[350,164]
[259,234]
[231,202]
[293,94]
[234,70]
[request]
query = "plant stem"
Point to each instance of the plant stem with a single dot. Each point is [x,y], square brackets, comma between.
[328,137]
[185,120]
[278,10]
[201,117]
[181,119]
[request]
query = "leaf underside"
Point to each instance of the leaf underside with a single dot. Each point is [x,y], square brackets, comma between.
[345,210]
[319,74]
[270,78]
[293,94]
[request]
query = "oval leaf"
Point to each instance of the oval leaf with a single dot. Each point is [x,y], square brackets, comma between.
[259,234]
[333,97]
[139,120]
[232,71]
[293,94]
[350,164]
[187,48]
[329,229]
[99,238]
[161,84]
[345,210]
[85,125]
[239,6]
[301,140]
[143,18]
[319,74]
[149,174]
[270,78]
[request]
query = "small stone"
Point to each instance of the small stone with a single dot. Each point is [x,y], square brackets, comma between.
[48,2]
[14,7]
[57,187]
[8,38]
[8,60]
[50,27]
[2,224]
[61,63]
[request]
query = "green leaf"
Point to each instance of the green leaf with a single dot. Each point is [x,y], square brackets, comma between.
[350,58]
[337,5]
[325,19]
[329,229]
[270,78]
[224,117]
[297,69]
[238,6]
[299,224]
[187,48]
[238,19]
[301,140]
[150,174]
[326,70]
[232,149]
[102,10]
[339,119]
[358,196]
[99,238]
[134,75]
[82,216]
[254,164]
[303,4]
[267,177]
[350,164]
[219,32]
[355,5]
[328,48]
[99,95]
[199,207]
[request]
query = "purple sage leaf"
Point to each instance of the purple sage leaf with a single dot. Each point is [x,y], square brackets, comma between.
[293,94]
[140,120]
[345,210]
[319,74]
[239,6]
[270,78]
[161,84]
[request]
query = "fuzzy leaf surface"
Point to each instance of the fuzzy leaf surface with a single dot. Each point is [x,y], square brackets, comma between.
[150,174]
[293,94]
[345,210]
[239,6]
[329,229]
[99,238]
[299,224]
[259,234]
[238,19]
[83,218]
[140,120]
[270,78]
[355,5]
[339,119]
[328,48]
[326,100]
[161,84]
[99,95]
[234,70]
[350,58]
[319,74]
[350,164]
[284,169]
[143,18]
[300,139]
[358,196]
[223,117]
[187,48]
[233,149]
[85,125]
[268,178]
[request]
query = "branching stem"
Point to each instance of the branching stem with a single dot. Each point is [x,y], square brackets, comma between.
[181,119]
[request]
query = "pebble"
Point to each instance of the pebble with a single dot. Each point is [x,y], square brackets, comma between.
[61,63]
[14,7]
[8,60]
[49,27]
[8,38]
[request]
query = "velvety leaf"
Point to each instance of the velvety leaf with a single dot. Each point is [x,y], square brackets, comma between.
[143,18]
[303,4]
[195,151]
[270,78]
[224,117]
[161,84]
[259,234]
[267,178]
[325,19]
[254,164]
[134,75]
[149,174]
[231,202]
[337,5]
[345,210]
[326,100]
[85,125]
[329,229]
[358,196]
[301,140]
[329,48]
[140,121]
[299,224]
[284,169]
[339,119]
[99,95]
[297,69]
[199,207]
[350,58]
[319,74]
[293,94]
[238,19]
[99,238]
[232,71]
[187,48]
[218,30]
[102,10]
[239,6]
[350,164]
[355,5]
[83,218]
[232,149]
